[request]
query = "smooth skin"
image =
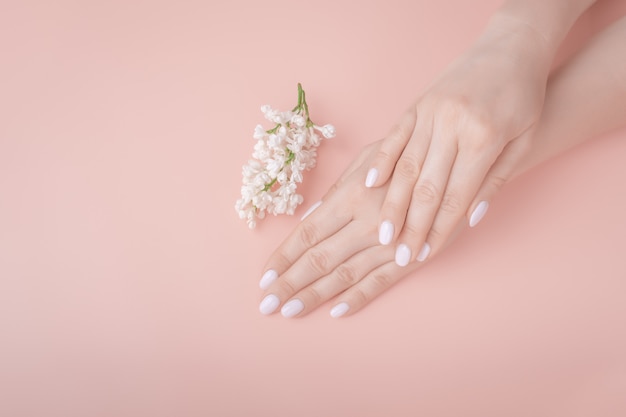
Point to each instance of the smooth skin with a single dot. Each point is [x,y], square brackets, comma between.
[445,145]
[335,252]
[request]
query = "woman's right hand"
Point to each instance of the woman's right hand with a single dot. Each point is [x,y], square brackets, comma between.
[446,145]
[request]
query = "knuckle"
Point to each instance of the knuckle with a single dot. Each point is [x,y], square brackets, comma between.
[450,204]
[425,193]
[360,298]
[287,288]
[497,181]
[411,231]
[383,156]
[408,167]
[402,130]
[282,259]
[381,282]
[318,261]
[347,275]
[436,234]
[312,296]
[332,189]
[309,234]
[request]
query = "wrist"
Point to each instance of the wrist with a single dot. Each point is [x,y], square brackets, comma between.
[545,22]
[509,36]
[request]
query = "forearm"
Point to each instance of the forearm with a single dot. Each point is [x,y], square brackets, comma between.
[541,25]
[585,98]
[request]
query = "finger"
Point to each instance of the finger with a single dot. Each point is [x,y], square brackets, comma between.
[354,165]
[317,262]
[499,174]
[371,286]
[344,276]
[376,282]
[405,175]
[325,221]
[390,150]
[364,155]
[468,172]
[425,201]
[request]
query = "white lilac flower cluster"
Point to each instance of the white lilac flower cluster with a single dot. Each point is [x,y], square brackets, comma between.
[280,156]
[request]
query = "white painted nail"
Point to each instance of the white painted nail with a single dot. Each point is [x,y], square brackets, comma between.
[421,257]
[269,304]
[372,176]
[403,255]
[478,213]
[385,233]
[311,210]
[292,307]
[339,310]
[268,277]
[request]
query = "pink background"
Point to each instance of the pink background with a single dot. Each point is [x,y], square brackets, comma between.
[129,287]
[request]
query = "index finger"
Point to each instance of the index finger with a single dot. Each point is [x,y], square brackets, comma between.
[324,222]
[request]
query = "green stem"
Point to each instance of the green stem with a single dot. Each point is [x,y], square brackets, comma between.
[290,157]
[270,184]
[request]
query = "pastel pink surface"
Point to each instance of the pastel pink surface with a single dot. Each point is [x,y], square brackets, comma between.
[129,287]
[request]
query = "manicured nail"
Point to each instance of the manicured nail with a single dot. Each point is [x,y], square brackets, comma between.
[385,233]
[339,310]
[311,210]
[403,255]
[291,308]
[478,213]
[372,176]
[268,277]
[269,304]
[421,257]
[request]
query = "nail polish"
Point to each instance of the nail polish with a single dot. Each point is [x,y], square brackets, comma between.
[385,233]
[311,210]
[478,213]
[269,304]
[403,255]
[372,176]
[292,308]
[339,310]
[268,277]
[421,257]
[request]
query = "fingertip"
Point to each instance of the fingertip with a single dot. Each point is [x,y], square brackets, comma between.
[424,252]
[386,232]
[478,213]
[269,304]
[403,255]
[372,177]
[268,278]
[339,310]
[292,308]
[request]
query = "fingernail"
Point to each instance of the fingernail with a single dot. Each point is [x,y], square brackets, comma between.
[291,308]
[269,304]
[385,233]
[339,310]
[478,213]
[268,277]
[421,257]
[403,255]
[310,210]
[372,176]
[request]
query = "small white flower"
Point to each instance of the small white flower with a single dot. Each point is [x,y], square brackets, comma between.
[298,120]
[328,131]
[259,132]
[280,156]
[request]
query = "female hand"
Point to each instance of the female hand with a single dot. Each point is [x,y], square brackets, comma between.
[446,144]
[334,250]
